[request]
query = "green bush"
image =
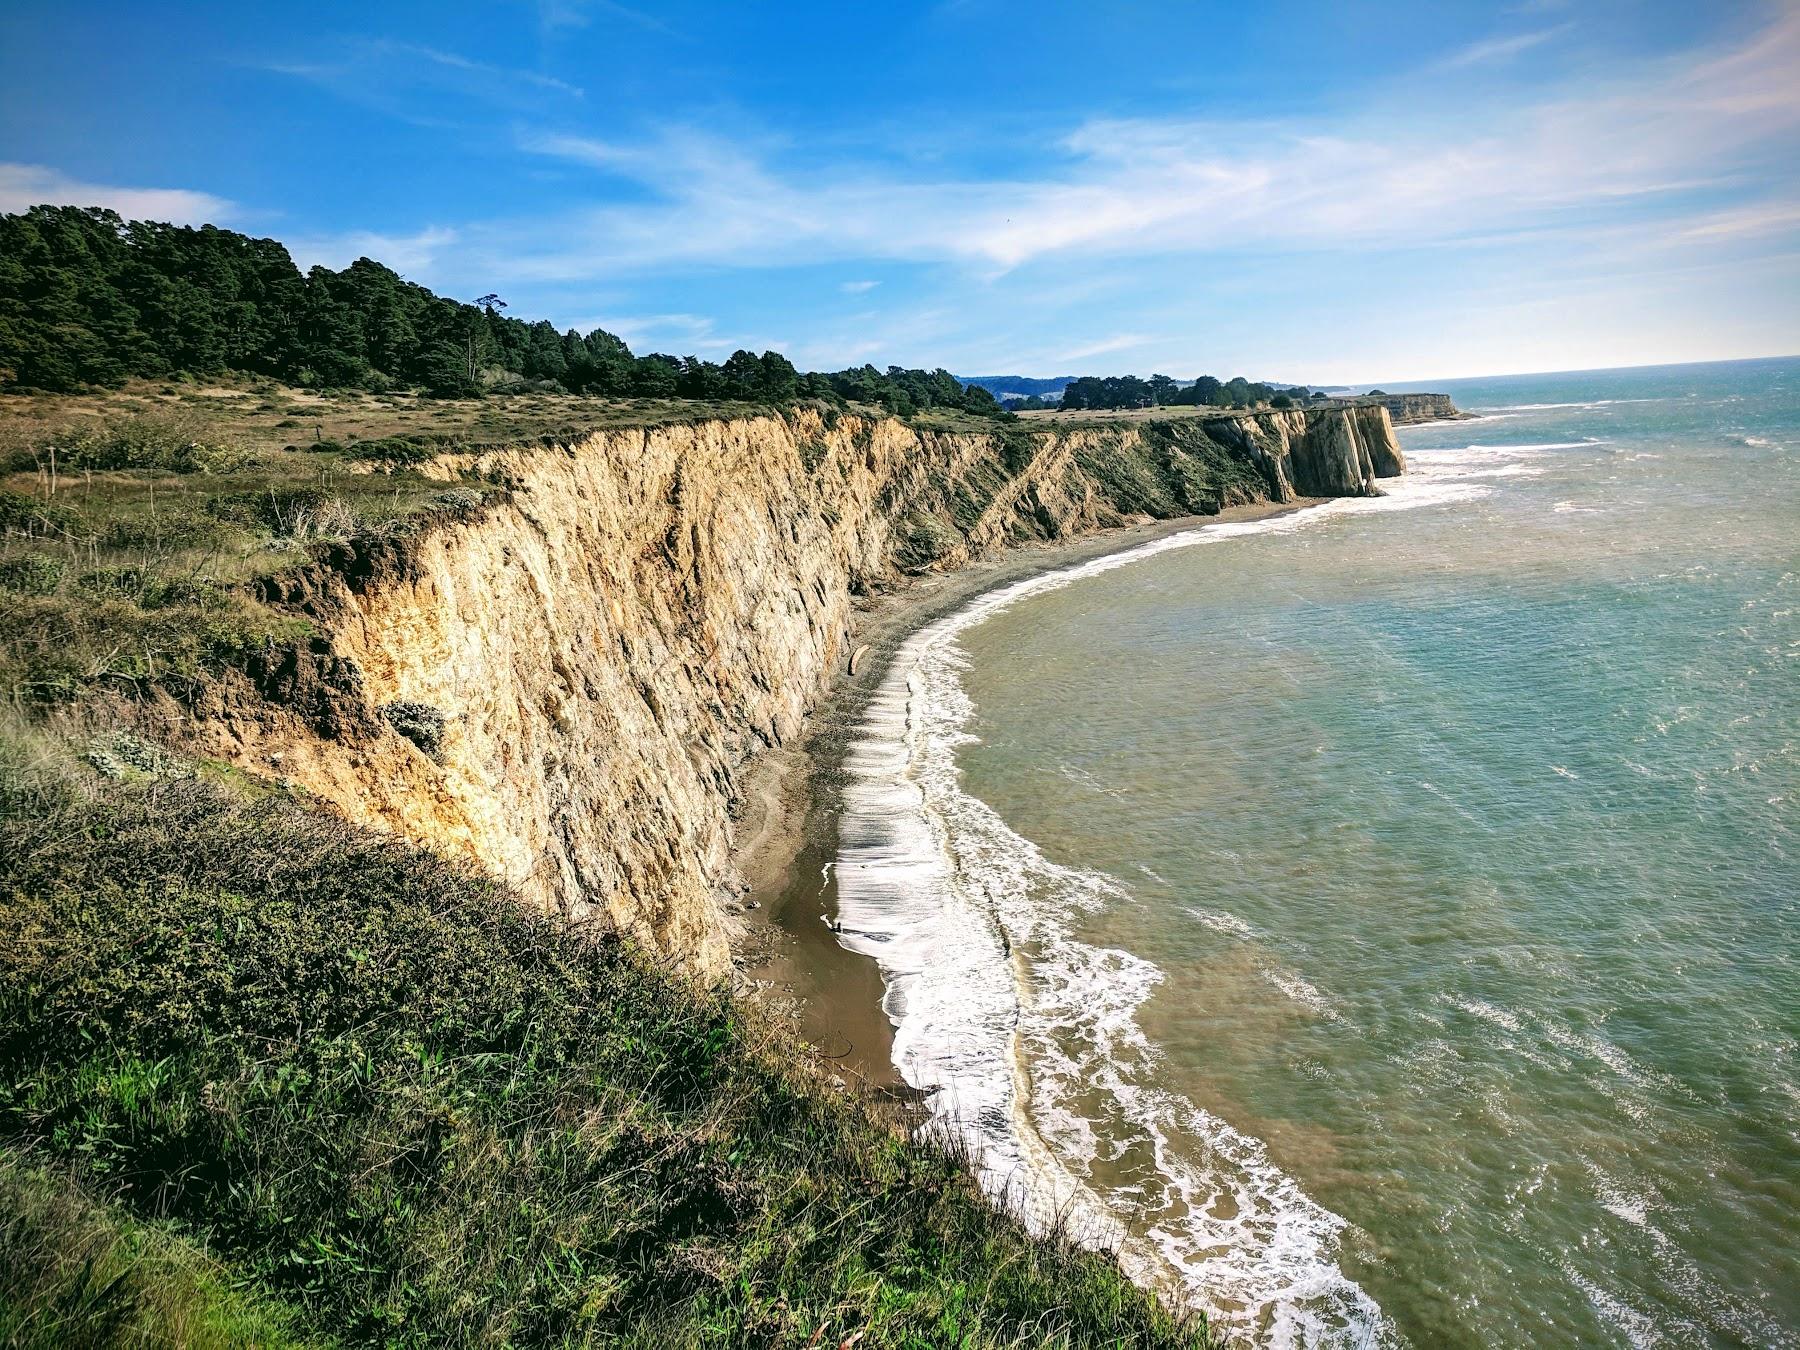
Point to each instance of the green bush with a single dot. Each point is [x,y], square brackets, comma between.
[32,518]
[169,444]
[32,573]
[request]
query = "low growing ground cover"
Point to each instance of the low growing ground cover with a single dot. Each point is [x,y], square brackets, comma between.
[266,1078]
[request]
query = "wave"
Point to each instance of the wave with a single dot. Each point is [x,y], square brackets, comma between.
[1545,407]
[1523,448]
[1024,1038]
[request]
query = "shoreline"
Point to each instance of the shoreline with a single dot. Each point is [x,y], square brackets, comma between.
[786,833]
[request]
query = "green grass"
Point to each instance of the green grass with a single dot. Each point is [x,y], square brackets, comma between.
[130,522]
[77,1272]
[358,1084]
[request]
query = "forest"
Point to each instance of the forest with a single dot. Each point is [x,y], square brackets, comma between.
[88,298]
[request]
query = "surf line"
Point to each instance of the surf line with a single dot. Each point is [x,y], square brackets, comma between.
[984,980]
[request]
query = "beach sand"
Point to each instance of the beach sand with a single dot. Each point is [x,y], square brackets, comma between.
[786,834]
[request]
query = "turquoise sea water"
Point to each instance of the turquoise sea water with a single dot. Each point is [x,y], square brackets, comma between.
[1382,919]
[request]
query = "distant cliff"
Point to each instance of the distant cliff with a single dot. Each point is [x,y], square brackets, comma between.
[565,684]
[1408,408]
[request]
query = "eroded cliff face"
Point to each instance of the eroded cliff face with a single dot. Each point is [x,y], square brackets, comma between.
[565,683]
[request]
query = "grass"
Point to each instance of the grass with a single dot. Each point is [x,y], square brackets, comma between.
[269,1079]
[77,1272]
[351,1089]
[125,543]
[1173,468]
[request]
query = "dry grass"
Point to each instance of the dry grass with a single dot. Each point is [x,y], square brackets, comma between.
[262,415]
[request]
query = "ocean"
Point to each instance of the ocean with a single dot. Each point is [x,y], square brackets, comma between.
[1379,920]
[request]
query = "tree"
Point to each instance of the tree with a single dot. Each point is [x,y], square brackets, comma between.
[777,382]
[1162,390]
[655,376]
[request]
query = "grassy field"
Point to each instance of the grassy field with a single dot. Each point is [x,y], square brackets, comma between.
[267,1079]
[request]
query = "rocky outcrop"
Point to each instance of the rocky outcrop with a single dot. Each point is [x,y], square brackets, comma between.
[1406,409]
[565,683]
[1338,452]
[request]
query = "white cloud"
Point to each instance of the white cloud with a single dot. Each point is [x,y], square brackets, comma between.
[1431,168]
[411,255]
[654,332]
[23,185]
[1747,222]
[483,69]
[858,287]
[1124,342]
[414,82]
[1499,48]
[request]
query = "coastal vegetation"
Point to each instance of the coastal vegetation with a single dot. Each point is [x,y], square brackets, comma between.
[269,1077]
[1163,391]
[266,1078]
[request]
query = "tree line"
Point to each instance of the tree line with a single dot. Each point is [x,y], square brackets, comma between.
[1163,391]
[88,298]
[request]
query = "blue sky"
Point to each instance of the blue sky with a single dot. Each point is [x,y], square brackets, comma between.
[1298,191]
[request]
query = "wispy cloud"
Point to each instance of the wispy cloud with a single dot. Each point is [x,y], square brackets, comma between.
[411,80]
[858,287]
[1432,170]
[684,333]
[23,185]
[554,14]
[1497,49]
[487,70]
[1124,342]
[1746,222]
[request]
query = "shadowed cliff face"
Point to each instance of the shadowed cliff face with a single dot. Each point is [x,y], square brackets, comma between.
[565,685]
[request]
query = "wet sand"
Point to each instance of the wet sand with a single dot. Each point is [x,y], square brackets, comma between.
[786,835]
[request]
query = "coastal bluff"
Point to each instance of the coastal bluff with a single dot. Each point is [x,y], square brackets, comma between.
[565,682]
[1406,409]
[1403,409]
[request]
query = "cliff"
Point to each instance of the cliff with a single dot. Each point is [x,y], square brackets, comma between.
[564,683]
[1406,409]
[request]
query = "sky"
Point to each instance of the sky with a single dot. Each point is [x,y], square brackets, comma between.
[1324,192]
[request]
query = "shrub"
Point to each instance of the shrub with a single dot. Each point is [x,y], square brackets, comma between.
[393,450]
[31,573]
[33,518]
[171,444]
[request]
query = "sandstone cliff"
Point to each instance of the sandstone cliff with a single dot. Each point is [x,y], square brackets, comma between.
[1406,409]
[565,682]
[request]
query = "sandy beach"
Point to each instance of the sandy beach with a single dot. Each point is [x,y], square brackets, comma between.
[787,833]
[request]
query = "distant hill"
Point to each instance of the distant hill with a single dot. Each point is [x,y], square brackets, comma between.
[1008,388]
